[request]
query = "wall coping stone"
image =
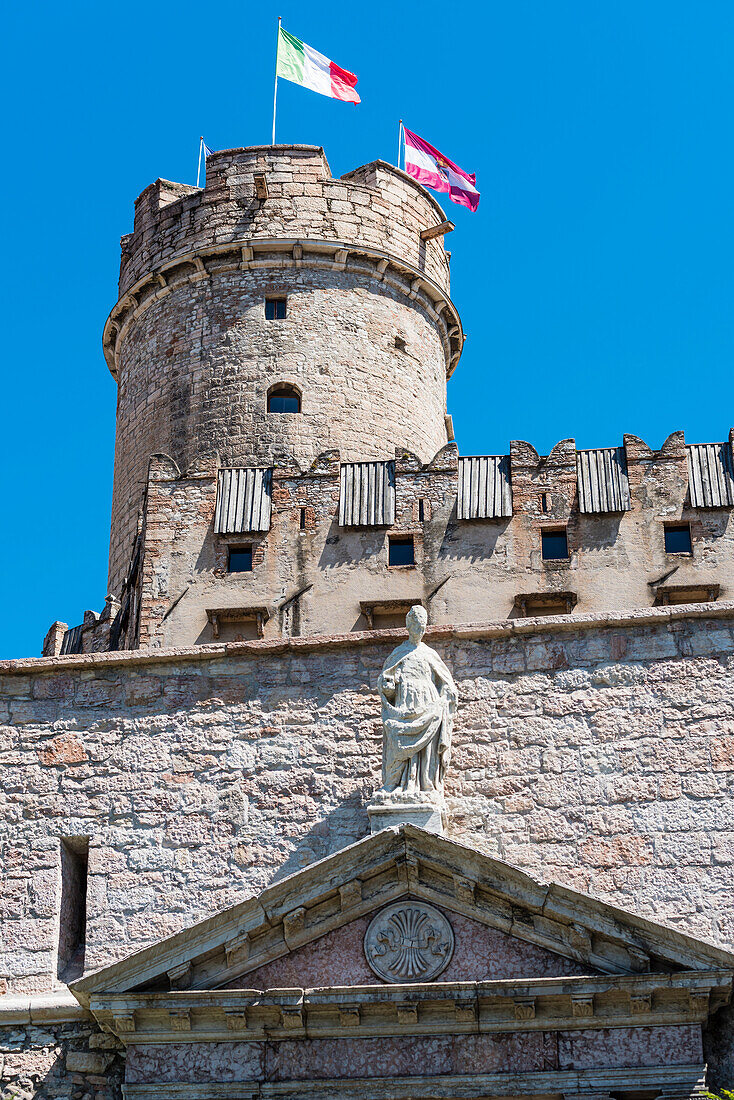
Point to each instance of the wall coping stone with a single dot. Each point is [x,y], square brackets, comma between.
[502,628]
[59,1007]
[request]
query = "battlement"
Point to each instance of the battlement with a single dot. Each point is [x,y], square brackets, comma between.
[478,538]
[285,191]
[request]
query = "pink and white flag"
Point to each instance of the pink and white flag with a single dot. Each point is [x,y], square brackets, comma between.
[433,169]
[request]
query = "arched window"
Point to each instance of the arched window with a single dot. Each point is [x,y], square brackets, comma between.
[284,398]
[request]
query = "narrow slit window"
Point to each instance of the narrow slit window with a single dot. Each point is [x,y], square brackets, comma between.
[678,539]
[544,502]
[73,909]
[240,559]
[275,309]
[421,510]
[401,551]
[284,399]
[554,545]
[302,521]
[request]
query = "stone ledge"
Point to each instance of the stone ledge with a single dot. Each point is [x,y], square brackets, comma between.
[47,1008]
[503,628]
[475,1086]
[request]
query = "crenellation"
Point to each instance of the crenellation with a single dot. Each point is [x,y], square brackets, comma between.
[627,546]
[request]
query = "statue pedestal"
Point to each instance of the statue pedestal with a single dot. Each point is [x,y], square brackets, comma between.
[427,815]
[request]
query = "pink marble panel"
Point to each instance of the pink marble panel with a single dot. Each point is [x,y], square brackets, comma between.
[480,954]
[630,1046]
[410,1056]
[195,1062]
[505,1052]
[334,959]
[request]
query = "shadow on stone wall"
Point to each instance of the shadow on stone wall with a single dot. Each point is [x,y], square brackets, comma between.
[60,1060]
[345,825]
[718,1049]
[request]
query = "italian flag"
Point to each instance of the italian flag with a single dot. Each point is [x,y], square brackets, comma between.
[303,65]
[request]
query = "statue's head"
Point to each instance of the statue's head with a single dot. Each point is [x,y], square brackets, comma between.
[416,621]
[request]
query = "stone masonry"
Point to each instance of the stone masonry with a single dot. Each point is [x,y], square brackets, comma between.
[597,753]
[213,732]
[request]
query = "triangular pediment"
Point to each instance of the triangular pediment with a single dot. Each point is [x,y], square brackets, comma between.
[542,926]
[472,952]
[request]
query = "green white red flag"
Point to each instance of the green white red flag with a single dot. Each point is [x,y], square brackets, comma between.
[305,66]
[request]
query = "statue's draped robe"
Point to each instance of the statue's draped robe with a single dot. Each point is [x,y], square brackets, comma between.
[417,719]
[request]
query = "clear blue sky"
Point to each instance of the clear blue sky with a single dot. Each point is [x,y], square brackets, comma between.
[595,282]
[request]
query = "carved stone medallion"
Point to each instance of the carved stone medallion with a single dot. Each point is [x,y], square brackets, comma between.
[409,941]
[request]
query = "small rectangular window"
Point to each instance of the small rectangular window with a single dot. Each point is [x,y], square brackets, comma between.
[678,539]
[401,551]
[421,511]
[544,502]
[274,309]
[240,559]
[554,545]
[302,522]
[73,909]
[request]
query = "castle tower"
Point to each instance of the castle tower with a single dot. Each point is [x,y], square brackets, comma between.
[278,281]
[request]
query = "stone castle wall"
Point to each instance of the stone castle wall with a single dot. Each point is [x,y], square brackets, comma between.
[600,754]
[368,337]
[52,1051]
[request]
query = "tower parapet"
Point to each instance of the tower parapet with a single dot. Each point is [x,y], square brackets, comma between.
[277,275]
[376,206]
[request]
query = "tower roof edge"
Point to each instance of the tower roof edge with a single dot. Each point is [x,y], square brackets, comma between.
[367,174]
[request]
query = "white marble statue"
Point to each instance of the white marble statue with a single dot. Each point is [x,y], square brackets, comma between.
[418,703]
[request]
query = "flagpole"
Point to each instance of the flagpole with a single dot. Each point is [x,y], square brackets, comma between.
[275,91]
[198,168]
[400,135]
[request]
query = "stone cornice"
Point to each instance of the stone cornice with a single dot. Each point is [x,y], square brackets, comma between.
[314,643]
[258,253]
[457,1008]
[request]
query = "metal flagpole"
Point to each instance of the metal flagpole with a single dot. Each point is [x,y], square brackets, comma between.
[400,143]
[275,92]
[201,150]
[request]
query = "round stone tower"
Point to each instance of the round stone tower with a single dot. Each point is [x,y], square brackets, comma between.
[277,277]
